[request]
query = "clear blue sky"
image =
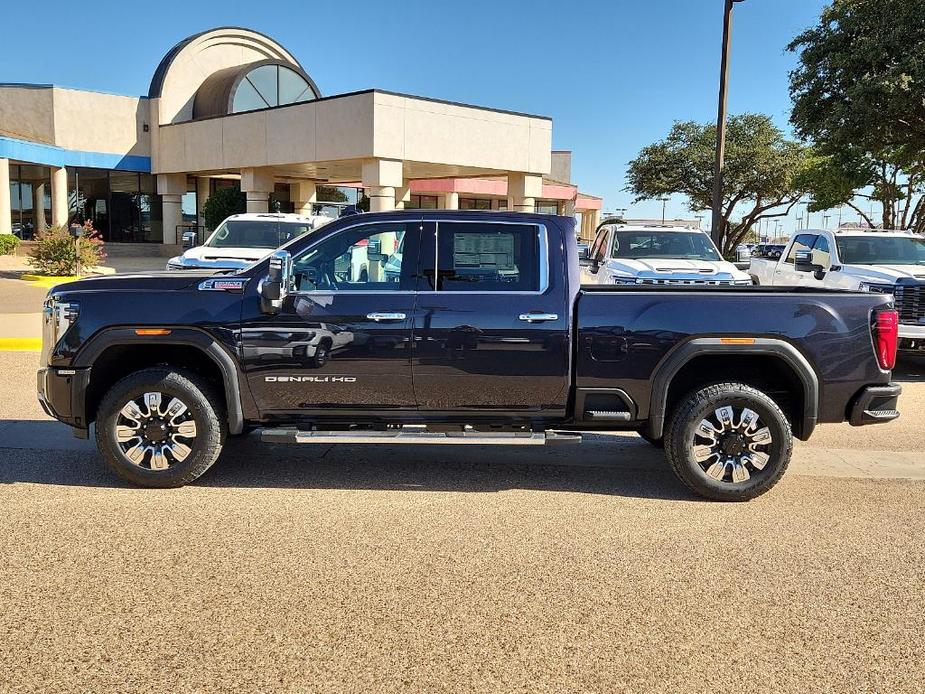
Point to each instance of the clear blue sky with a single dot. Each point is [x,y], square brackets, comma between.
[613,74]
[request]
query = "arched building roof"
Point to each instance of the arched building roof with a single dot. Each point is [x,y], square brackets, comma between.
[195,59]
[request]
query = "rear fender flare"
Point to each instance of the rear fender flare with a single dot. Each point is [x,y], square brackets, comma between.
[675,361]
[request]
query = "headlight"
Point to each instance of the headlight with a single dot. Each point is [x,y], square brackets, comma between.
[57,318]
[877,288]
[624,280]
[175,264]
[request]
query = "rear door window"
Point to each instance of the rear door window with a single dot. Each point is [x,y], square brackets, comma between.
[487,257]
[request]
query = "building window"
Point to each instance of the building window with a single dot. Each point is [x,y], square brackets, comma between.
[502,204]
[270,85]
[474,204]
[122,205]
[422,202]
[30,199]
[547,207]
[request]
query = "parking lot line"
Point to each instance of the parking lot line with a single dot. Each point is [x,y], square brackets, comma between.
[20,344]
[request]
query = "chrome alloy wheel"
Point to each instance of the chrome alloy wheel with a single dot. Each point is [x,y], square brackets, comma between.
[153,435]
[731,445]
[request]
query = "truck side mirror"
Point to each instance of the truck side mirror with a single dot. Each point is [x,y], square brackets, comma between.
[803,262]
[374,251]
[275,287]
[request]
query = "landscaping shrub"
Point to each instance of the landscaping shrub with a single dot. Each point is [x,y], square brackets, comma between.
[57,253]
[8,244]
[221,204]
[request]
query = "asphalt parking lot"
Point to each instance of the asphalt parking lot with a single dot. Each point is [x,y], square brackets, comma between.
[433,568]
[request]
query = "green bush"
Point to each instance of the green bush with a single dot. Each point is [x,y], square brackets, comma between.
[8,244]
[57,252]
[221,204]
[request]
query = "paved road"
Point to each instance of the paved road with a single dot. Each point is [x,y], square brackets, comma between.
[384,568]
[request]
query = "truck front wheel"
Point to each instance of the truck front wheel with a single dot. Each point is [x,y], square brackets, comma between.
[160,427]
[728,442]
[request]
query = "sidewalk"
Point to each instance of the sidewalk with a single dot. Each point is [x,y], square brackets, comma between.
[20,332]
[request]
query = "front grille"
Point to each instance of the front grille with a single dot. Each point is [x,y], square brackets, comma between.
[910,302]
[697,282]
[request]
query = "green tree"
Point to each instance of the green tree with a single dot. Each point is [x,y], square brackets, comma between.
[330,194]
[223,203]
[858,97]
[762,179]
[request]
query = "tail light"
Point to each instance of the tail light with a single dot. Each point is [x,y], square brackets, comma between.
[886,338]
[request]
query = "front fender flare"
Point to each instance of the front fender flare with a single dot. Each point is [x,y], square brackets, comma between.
[191,337]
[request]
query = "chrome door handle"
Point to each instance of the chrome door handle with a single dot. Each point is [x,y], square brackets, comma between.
[378,317]
[538,317]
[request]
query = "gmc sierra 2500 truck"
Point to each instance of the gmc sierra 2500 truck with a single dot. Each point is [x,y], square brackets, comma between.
[465,328]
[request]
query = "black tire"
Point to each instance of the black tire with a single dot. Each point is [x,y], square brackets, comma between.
[700,405]
[202,403]
[658,443]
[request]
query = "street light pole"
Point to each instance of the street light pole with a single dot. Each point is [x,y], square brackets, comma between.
[664,202]
[717,228]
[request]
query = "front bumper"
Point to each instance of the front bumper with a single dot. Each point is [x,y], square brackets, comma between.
[875,405]
[62,394]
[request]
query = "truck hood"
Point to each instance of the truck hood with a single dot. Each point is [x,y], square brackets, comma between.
[674,268]
[147,281]
[887,274]
[212,258]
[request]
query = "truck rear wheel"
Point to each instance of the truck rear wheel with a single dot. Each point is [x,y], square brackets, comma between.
[159,427]
[728,442]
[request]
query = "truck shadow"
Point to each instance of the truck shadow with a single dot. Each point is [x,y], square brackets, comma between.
[909,369]
[42,452]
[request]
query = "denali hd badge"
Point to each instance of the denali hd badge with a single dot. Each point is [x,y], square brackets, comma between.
[310,379]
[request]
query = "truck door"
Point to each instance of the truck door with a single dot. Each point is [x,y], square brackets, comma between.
[491,325]
[785,274]
[343,336]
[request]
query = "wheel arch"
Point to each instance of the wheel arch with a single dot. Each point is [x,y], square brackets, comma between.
[116,352]
[782,354]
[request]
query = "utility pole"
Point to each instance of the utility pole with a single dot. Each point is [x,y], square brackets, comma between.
[717,228]
[664,202]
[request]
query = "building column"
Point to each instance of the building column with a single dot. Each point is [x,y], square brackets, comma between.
[59,211]
[303,194]
[451,201]
[523,189]
[203,190]
[595,220]
[402,195]
[38,207]
[380,179]
[6,208]
[171,188]
[257,184]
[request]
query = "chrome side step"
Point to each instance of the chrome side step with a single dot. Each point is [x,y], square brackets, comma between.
[610,415]
[420,437]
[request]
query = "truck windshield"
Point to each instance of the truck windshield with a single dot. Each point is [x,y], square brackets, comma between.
[692,245]
[881,250]
[246,233]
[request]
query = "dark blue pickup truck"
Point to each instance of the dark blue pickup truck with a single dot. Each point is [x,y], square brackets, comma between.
[446,327]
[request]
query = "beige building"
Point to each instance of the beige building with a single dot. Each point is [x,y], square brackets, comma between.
[231,106]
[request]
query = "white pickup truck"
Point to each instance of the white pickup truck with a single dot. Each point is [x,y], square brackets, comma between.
[886,262]
[659,255]
[243,239]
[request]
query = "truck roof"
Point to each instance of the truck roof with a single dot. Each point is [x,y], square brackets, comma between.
[272,217]
[652,227]
[859,232]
